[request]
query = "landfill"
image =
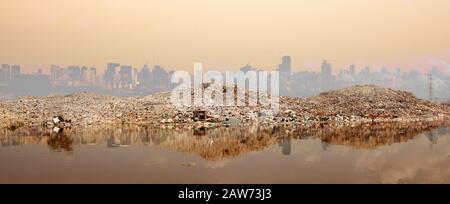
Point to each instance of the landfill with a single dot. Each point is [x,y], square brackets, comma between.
[356,104]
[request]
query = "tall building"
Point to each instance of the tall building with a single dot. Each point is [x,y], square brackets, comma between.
[74,73]
[285,67]
[55,72]
[84,74]
[352,70]
[285,75]
[126,76]
[364,76]
[5,73]
[110,72]
[144,76]
[125,73]
[160,78]
[326,77]
[15,71]
[134,78]
[93,76]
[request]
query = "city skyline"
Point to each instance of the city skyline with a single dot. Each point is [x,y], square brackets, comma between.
[438,63]
[175,34]
[126,80]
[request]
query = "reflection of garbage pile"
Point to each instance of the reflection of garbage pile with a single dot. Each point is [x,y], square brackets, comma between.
[369,136]
[222,142]
[60,142]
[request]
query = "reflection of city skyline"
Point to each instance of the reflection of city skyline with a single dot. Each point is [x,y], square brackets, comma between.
[122,79]
[221,143]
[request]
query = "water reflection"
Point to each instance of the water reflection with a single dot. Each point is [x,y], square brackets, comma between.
[381,153]
[60,142]
[224,142]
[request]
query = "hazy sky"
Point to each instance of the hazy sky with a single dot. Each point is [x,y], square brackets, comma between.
[224,33]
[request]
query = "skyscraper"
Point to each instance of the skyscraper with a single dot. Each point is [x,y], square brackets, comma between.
[15,71]
[93,75]
[110,72]
[285,75]
[5,74]
[325,76]
[126,76]
[365,75]
[74,73]
[144,76]
[84,74]
[285,66]
[55,72]
[352,70]
[160,78]
[125,73]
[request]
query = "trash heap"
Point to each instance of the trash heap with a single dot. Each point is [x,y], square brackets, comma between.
[354,104]
[374,103]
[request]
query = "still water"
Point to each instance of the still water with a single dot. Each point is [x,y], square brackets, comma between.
[376,153]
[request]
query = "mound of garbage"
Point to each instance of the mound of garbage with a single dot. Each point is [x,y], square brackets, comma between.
[354,104]
[370,103]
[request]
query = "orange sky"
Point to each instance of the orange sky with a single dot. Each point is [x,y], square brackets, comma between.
[224,34]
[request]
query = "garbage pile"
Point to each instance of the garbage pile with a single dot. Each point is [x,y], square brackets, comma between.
[372,102]
[353,104]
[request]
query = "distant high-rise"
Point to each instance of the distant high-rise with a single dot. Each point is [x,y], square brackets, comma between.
[84,74]
[144,76]
[325,69]
[364,76]
[126,76]
[326,76]
[15,71]
[134,77]
[93,75]
[110,72]
[160,78]
[352,70]
[285,66]
[285,75]
[74,73]
[126,73]
[5,73]
[55,72]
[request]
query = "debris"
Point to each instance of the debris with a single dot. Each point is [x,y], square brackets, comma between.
[56,120]
[199,115]
[354,104]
